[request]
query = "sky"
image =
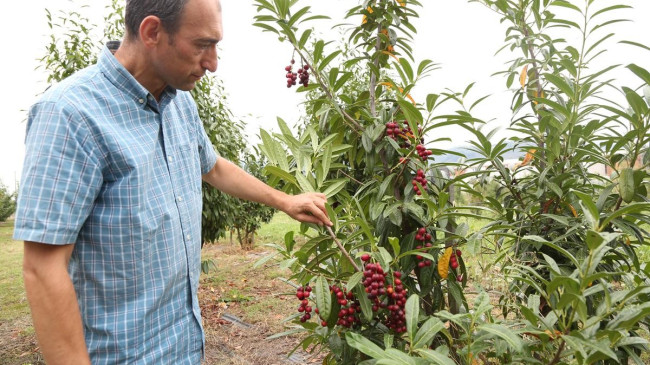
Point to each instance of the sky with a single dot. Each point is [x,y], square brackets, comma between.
[461,37]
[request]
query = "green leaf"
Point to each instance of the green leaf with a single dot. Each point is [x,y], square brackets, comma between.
[431,101]
[366,305]
[566,4]
[396,357]
[636,44]
[427,332]
[408,70]
[589,209]
[304,183]
[637,103]
[335,187]
[435,357]
[287,177]
[473,245]
[561,84]
[364,345]
[505,333]
[328,59]
[394,243]
[631,208]
[304,38]
[411,113]
[354,280]
[296,16]
[594,239]
[610,8]
[412,314]
[323,296]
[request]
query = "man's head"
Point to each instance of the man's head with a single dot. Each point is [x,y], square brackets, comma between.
[179,36]
[168,11]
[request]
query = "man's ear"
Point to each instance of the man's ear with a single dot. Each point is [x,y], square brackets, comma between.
[151,31]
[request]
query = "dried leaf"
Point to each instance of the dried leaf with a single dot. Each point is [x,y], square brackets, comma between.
[522,77]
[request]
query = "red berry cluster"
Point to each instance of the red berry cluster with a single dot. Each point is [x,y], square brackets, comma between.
[303,294]
[375,285]
[292,77]
[424,237]
[396,302]
[350,308]
[419,178]
[375,277]
[303,73]
[423,152]
[453,261]
[393,130]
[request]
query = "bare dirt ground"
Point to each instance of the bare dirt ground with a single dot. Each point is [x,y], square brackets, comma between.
[257,300]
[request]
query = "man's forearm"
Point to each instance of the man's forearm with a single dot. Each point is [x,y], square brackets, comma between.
[234,181]
[55,311]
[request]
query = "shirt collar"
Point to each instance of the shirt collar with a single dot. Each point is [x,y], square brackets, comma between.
[119,76]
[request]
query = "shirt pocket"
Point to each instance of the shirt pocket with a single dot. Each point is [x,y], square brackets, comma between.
[189,171]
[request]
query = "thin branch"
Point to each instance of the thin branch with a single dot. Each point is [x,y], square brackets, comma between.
[345,252]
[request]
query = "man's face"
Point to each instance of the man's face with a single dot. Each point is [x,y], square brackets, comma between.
[182,59]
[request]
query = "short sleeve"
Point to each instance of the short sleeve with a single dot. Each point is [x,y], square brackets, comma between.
[61,175]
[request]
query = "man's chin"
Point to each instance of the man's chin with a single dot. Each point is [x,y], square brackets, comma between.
[187,87]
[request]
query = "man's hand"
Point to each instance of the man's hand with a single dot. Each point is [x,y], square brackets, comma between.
[308,208]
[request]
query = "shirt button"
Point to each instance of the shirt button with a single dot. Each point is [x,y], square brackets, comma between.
[188,237]
[180,199]
[141,101]
[169,158]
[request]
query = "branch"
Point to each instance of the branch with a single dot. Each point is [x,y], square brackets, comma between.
[345,252]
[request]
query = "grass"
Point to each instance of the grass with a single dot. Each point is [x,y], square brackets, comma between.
[12,295]
[275,230]
[17,337]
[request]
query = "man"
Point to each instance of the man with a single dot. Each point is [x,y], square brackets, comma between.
[110,202]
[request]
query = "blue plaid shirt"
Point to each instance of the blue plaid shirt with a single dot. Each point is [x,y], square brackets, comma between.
[118,174]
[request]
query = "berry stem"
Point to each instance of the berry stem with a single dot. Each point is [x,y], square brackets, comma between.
[345,252]
[358,128]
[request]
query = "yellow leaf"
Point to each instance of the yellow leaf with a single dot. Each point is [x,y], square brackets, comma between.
[410,98]
[369,10]
[529,157]
[443,263]
[402,2]
[390,54]
[522,77]
[365,20]
[573,211]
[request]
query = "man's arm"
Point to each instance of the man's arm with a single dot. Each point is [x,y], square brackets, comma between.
[53,303]
[232,180]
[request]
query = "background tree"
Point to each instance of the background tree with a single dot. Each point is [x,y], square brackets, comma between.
[7,203]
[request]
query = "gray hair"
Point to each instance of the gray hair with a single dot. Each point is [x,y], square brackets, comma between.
[168,11]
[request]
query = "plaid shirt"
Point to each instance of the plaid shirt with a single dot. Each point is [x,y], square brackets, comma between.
[118,174]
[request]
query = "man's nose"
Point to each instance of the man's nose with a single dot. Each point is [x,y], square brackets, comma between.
[210,61]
